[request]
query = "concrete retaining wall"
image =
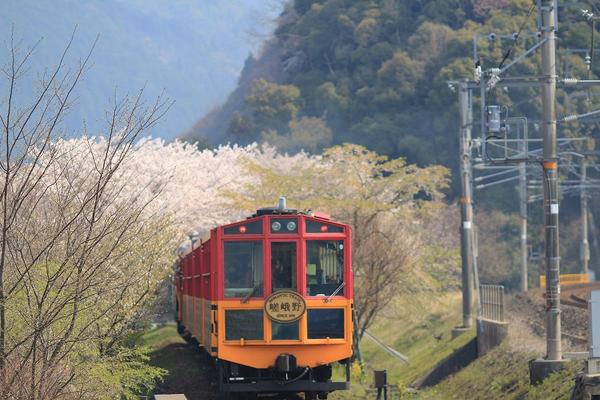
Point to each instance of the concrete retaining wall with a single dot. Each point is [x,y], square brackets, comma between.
[490,334]
[452,364]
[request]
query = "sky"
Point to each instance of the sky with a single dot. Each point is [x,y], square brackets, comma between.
[192,51]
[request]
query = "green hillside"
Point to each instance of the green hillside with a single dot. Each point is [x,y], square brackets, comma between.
[375,72]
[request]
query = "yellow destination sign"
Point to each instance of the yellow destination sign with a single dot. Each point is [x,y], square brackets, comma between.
[285,306]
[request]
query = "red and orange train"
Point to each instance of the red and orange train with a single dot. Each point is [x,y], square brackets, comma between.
[270,299]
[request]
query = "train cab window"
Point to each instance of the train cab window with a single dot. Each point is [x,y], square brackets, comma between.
[321,227]
[325,267]
[285,331]
[325,323]
[283,265]
[247,324]
[243,267]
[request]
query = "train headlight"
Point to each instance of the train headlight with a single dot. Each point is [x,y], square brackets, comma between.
[291,226]
[276,226]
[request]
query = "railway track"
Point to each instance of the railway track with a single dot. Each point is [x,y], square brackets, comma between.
[576,295]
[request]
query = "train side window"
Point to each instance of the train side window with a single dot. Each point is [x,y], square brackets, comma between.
[247,324]
[243,265]
[283,265]
[326,323]
[325,267]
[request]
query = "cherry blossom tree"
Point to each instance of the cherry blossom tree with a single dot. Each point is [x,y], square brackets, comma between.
[69,238]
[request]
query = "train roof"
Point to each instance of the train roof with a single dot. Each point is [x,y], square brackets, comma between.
[184,249]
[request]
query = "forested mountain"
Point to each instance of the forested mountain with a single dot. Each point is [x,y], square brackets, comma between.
[194,51]
[375,72]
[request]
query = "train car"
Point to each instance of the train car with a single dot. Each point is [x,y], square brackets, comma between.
[270,299]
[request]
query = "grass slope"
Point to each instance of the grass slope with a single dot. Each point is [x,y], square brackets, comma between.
[188,372]
[411,325]
[504,374]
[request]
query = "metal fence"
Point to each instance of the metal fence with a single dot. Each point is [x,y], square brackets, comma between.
[492,302]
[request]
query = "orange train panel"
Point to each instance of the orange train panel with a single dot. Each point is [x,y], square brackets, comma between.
[263,356]
[308,352]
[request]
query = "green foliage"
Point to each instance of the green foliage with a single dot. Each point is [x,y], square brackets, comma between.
[125,373]
[358,180]
[308,134]
[269,107]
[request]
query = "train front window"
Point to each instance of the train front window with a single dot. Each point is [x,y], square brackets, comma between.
[285,331]
[246,324]
[325,323]
[243,266]
[283,265]
[325,267]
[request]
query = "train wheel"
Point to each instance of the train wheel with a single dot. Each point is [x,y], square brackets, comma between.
[310,396]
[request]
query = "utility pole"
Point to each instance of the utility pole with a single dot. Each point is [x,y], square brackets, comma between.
[550,167]
[523,214]
[583,196]
[466,207]
[540,369]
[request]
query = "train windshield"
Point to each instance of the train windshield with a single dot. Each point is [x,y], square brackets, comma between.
[324,267]
[283,265]
[243,269]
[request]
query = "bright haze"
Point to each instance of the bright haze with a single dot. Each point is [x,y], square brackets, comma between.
[191,50]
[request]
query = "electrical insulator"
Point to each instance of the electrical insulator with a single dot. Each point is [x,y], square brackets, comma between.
[588,60]
[494,122]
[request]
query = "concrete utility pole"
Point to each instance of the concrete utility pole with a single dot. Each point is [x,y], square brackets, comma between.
[583,196]
[466,207]
[523,216]
[550,167]
[540,369]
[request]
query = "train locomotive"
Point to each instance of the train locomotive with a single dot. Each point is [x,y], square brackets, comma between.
[270,299]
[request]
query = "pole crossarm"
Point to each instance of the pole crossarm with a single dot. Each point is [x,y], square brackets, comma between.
[498,182]
[495,174]
[522,56]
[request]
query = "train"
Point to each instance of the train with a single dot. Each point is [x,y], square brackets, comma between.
[270,300]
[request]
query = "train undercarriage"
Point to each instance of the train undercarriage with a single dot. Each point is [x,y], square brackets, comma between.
[284,377]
